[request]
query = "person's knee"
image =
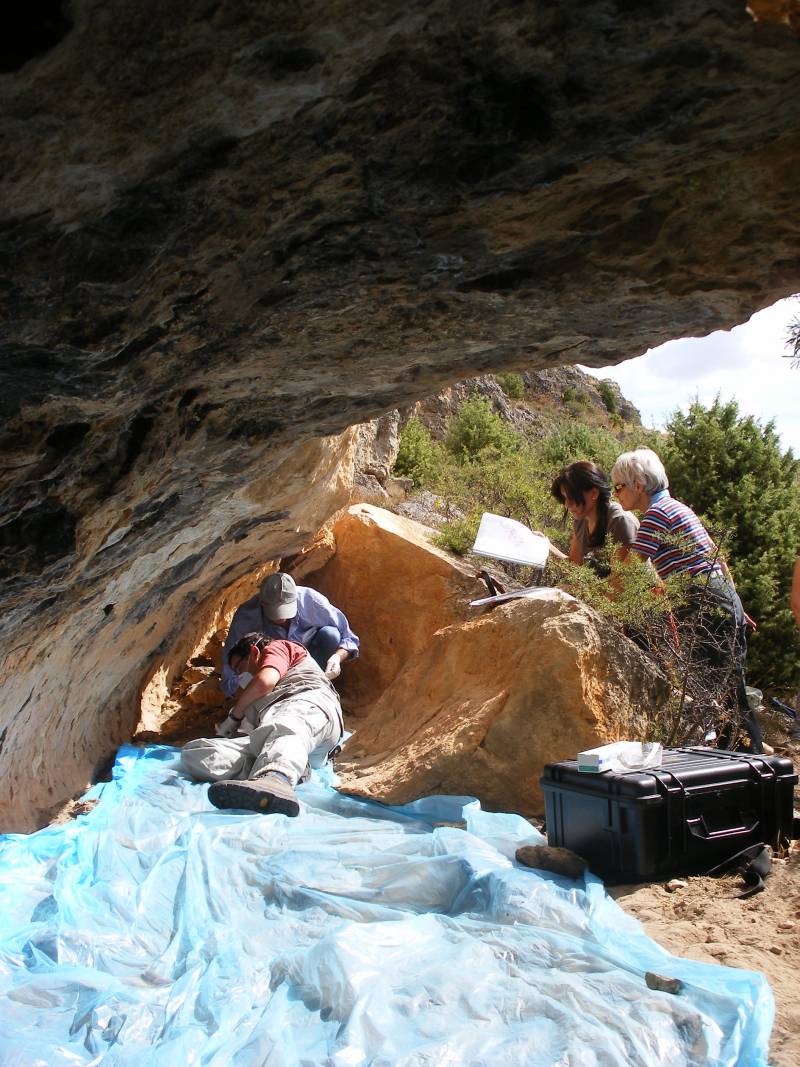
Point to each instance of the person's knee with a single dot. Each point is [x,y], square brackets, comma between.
[323,644]
[191,759]
[212,759]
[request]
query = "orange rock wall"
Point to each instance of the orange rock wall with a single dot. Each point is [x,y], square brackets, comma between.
[396,589]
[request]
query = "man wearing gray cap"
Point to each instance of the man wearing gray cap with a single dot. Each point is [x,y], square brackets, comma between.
[296,613]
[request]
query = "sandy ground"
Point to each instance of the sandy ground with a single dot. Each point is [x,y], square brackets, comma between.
[705,921]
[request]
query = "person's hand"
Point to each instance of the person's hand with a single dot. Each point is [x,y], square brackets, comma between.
[750,621]
[228,727]
[333,668]
[551,548]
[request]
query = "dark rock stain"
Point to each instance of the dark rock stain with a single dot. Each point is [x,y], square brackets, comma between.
[241,530]
[30,30]
[41,532]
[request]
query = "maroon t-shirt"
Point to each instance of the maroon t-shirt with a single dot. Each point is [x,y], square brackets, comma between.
[282,655]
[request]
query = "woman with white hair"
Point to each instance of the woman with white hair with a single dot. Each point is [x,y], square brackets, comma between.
[675,541]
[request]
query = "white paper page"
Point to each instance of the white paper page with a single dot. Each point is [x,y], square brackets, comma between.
[509,540]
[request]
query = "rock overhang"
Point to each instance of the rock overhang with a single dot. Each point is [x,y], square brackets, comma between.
[228,233]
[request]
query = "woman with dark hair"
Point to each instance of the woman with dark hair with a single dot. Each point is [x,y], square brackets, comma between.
[584,491]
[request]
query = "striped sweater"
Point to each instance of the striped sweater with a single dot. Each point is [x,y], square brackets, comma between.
[672,536]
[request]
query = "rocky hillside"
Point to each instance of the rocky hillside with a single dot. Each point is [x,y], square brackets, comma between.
[534,400]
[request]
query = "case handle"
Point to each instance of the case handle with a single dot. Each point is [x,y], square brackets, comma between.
[698,828]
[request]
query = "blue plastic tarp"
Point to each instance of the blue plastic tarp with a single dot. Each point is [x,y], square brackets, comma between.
[156,930]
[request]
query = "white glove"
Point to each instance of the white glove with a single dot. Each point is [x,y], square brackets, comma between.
[333,668]
[227,728]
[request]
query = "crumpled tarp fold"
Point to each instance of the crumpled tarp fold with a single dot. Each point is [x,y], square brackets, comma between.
[157,931]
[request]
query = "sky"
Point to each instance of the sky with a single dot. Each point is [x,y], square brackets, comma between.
[746,364]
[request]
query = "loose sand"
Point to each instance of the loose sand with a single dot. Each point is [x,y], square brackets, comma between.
[705,921]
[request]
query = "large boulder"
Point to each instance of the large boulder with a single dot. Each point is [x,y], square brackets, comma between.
[487,703]
[397,590]
[456,699]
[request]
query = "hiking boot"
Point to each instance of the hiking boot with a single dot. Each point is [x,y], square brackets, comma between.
[270,794]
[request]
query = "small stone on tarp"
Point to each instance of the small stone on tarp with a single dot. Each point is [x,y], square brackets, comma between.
[556,860]
[663,985]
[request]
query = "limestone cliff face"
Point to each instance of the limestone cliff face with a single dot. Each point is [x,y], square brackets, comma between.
[229,231]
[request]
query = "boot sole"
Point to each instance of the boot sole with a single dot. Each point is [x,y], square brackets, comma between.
[244,797]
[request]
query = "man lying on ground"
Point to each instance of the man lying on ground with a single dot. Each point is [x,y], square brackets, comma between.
[296,613]
[292,718]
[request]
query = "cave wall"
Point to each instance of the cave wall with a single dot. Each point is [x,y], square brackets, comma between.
[231,230]
[78,656]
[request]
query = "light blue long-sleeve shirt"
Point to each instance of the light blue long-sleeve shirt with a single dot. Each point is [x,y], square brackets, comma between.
[313,612]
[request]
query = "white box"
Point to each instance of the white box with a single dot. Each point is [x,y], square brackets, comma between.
[621,756]
[599,759]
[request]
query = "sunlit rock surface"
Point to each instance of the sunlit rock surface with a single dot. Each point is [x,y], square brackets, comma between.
[469,700]
[229,231]
[397,590]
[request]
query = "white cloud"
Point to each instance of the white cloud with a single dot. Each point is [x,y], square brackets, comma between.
[746,364]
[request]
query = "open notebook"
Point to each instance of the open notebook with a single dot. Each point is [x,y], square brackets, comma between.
[511,541]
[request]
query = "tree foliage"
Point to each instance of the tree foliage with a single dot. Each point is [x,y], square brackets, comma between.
[477,432]
[793,341]
[732,471]
[513,385]
[607,396]
[419,457]
[573,441]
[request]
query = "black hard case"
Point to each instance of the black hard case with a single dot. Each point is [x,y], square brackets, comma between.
[699,808]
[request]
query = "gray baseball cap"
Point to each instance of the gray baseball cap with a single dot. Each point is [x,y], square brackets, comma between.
[278,596]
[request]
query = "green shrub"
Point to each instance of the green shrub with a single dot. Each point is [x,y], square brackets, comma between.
[607,396]
[458,535]
[630,596]
[694,694]
[574,441]
[478,431]
[419,457]
[512,385]
[513,481]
